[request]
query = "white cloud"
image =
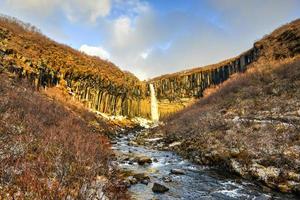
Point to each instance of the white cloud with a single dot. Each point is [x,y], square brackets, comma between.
[74,10]
[95,51]
[121,30]
[89,10]
[183,39]
[151,42]
[146,53]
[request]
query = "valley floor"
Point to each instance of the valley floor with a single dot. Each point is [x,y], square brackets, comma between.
[250,125]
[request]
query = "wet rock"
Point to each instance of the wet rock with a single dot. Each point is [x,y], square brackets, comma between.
[177,171]
[159,188]
[126,159]
[141,177]
[297,189]
[130,162]
[167,179]
[132,180]
[143,160]
[145,181]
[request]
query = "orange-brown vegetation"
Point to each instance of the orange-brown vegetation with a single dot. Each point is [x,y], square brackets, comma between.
[48,151]
[249,124]
[36,48]
[253,118]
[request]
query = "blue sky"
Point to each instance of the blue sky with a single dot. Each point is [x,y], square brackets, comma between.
[154,37]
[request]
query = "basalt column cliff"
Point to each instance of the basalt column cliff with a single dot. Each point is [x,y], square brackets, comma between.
[99,84]
[103,87]
[176,91]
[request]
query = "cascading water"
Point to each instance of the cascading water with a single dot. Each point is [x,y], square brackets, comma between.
[154,106]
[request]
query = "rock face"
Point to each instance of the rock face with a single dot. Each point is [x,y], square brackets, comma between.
[180,88]
[107,90]
[193,82]
[99,84]
[102,87]
[105,96]
[176,91]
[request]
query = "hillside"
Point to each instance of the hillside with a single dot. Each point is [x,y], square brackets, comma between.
[178,90]
[33,48]
[99,84]
[241,115]
[250,123]
[287,36]
[50,152]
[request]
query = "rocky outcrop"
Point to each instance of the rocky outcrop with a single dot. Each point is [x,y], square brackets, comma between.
[105,96]
[179,89]
[193,83]
[105,88]
[99,84]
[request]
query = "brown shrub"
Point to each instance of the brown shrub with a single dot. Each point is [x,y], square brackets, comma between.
[47,151]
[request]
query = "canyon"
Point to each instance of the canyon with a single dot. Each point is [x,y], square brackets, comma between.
[120,93]
[123,94]
[213,129]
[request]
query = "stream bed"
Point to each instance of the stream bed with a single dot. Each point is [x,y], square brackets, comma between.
[197,182]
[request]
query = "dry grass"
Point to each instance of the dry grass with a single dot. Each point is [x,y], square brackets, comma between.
[37,49]
[47,151]
[265,92]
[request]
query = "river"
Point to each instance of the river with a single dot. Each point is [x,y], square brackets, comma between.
[197,182]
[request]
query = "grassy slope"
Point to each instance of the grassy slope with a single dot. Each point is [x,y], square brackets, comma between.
[48,151]
[232,122]
[36,48]
[251,123]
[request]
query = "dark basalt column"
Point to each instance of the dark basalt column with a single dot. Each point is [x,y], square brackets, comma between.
[193,85]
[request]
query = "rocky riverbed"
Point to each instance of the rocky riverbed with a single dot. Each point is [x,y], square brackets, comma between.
[158,174]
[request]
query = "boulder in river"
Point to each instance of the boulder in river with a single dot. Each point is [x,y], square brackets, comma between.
[177,171]
[132,180]
[159,188]
[143,160]
[140,177]
[167,179]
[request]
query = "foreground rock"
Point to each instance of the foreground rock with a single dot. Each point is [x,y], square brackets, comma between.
[159,188]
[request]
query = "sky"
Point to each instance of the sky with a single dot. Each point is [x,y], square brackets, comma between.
[155,37]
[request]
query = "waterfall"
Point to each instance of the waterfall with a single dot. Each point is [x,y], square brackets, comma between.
[154,106]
